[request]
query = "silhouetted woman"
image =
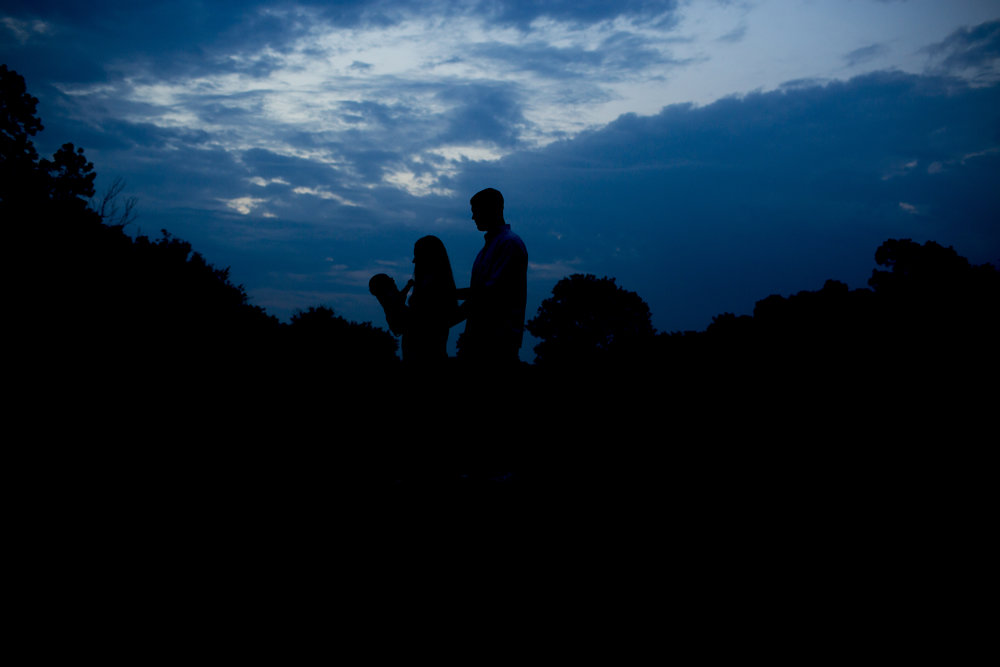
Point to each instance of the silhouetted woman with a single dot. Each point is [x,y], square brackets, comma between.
[433,304]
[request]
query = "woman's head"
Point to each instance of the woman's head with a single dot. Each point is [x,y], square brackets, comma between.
[431,259]
[429,249]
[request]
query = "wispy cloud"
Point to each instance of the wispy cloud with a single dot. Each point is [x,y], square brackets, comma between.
[386,94]
[555,270]
[973,53]
[865,54]
[244,205]
[23,31]
[735,35]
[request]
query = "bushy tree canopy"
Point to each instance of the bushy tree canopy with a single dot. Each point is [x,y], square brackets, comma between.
[325,338]
[18,122]
[590,320]
[31,189]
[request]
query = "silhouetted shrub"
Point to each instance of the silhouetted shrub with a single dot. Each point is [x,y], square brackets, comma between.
[591,321]
[930,295]
[321,338]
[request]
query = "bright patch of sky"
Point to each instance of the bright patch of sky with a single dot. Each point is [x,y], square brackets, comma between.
[738,47]
[415,86]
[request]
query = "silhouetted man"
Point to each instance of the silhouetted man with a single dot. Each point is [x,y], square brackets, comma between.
[495,300]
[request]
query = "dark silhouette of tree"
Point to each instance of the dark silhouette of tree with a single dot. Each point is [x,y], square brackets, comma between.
[918,269]
[930,295]
[70,178]
[929,317]
[30,187]
[727,327]
[18,122]
[928,292]
[113,209]
[591,321]
[19,177]
[174,291]
[830,319]
[325,340]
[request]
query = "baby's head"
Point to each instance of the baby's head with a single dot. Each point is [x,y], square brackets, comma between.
[382,285]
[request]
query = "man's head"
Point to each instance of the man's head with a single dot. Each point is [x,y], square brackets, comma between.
[487,209]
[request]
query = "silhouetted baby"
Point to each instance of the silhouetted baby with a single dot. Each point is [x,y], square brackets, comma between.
[392,300]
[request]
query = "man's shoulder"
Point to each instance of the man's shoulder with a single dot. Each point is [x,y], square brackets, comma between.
[509,239]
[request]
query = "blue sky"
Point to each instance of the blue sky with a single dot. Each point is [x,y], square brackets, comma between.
[705,154]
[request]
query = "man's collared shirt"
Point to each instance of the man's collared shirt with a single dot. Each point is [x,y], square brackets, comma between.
[499,274]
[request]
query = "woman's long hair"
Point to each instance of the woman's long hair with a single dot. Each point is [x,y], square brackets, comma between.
[432,267]
[433,303]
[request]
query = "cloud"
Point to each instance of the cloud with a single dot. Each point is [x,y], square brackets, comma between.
[524,14]
[244,205]
[387,66]
[554,271]
[182,36]
[482,112]
[323,193]
[617,53]
[735,35]
[865,54]
[353,109]
[23,31]
[973,53]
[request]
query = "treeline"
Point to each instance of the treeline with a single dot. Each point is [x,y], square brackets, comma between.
[909,362]
[925,299]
